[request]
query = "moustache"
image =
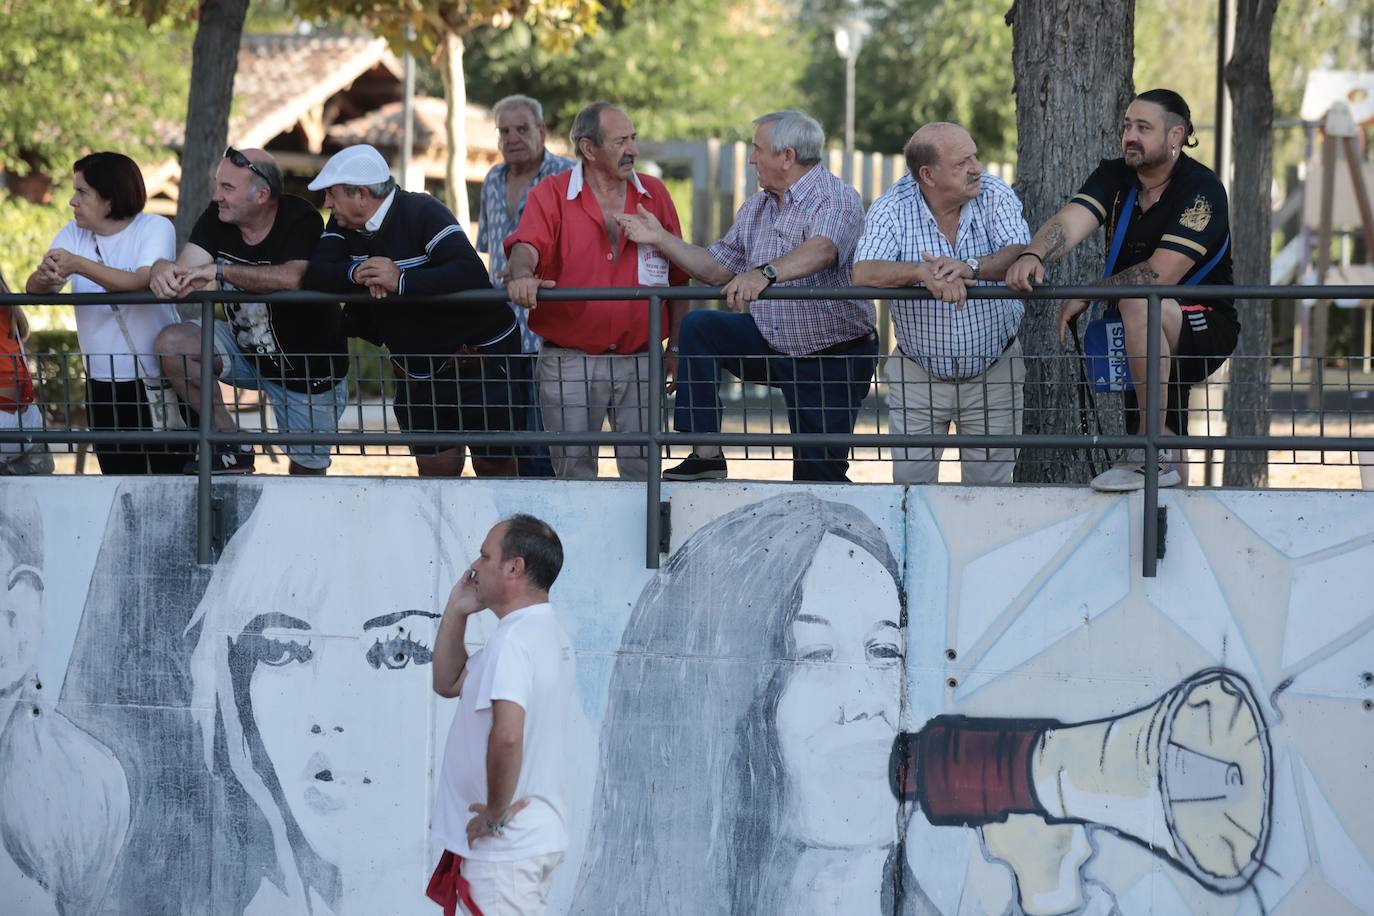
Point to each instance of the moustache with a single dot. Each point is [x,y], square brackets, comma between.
[626,160]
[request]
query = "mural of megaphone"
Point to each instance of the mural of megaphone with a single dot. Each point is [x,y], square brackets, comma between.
[1188,776]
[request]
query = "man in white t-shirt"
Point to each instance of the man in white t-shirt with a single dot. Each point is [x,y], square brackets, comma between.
[501,809]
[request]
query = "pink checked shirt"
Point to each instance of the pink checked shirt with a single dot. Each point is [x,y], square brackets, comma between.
[818,203]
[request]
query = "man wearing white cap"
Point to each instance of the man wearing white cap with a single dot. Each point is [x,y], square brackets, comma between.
[453,363]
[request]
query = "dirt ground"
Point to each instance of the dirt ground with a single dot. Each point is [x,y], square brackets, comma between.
[1331,470]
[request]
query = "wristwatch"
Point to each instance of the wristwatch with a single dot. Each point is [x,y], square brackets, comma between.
[219,274]
[973,265]
[769,272]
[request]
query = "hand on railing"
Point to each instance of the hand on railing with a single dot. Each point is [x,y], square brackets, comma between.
[525,292]
[1025,271]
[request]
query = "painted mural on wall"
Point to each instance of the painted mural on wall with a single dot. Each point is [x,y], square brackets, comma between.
[857,700]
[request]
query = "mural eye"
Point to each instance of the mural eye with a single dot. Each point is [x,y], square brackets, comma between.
[280,652]
[398,652]
[817,654]
[884,652]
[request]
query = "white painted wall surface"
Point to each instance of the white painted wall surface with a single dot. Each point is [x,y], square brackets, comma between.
[238,739]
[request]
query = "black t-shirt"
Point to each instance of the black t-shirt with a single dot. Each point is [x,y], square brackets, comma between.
[1191,217]
[300,346]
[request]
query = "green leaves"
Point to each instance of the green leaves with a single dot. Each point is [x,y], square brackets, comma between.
[80,77]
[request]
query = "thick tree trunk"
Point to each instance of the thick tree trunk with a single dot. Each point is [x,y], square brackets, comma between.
[1252,114]
[456,91]
[1072,61]
[214,60]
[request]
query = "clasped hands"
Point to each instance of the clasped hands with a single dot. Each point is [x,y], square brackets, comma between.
[169,280]
[57,265]
[948,279]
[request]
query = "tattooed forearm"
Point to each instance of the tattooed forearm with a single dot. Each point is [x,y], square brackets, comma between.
[1055,240]
[1141,274]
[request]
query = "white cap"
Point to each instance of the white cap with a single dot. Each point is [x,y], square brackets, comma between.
[355,165]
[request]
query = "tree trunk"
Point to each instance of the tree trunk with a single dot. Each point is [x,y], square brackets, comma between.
[456,124]
[1072,63]
[214,60]
[1252,114]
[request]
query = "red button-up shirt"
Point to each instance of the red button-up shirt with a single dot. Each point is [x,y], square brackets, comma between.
[563,222]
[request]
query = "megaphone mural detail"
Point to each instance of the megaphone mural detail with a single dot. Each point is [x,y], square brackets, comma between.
[1189,776]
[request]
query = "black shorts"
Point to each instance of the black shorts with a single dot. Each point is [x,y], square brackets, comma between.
[1205,341]
[474,390]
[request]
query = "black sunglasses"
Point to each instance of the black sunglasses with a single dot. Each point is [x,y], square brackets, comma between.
[243,162]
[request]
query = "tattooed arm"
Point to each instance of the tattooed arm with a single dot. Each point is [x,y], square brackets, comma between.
[1164,268]
[1055,239]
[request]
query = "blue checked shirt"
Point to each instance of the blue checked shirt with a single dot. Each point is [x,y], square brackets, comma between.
[494,223]
[947,342]
[818,203]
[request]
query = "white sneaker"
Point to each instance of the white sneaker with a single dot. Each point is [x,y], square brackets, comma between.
[1127,477]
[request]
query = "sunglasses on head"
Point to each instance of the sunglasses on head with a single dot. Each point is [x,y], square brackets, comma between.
[243,162]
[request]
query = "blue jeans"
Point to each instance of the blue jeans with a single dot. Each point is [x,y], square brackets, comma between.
[295,411]
[822,391]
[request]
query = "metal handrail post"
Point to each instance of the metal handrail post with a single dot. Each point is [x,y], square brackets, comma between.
[654,420]
[1149,547]
[204,520]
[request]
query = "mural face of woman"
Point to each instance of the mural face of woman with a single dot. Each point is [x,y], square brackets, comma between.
[332,711]
[21,619]
[838,714]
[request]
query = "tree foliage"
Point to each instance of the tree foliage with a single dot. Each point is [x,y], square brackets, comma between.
[66,68]
[925,60]
[684,69]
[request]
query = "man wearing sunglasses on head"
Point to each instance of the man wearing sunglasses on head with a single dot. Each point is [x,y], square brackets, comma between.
[256,239]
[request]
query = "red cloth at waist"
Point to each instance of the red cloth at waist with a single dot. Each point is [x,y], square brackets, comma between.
[447,886]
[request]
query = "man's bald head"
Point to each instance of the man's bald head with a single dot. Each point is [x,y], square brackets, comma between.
[265,172]
[930,140]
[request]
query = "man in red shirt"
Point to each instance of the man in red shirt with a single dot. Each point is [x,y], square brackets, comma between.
[594,361]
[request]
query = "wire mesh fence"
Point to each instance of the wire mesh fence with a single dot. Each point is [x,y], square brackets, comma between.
[849,412]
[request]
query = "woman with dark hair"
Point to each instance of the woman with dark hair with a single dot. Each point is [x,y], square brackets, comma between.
[110,246]
[752,708]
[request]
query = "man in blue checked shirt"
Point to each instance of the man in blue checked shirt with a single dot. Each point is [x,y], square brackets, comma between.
[947,225]
[525,161]
[798,231]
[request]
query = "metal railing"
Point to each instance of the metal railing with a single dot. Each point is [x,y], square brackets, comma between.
[655,438]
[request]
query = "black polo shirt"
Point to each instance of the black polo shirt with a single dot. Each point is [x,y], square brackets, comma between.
[1191,217]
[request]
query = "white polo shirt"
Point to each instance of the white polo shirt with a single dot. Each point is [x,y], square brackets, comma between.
[108,352]
[529,661]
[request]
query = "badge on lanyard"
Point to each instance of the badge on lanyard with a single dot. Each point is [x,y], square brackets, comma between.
[653,266]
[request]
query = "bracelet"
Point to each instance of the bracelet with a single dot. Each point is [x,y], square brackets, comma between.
[1031,254]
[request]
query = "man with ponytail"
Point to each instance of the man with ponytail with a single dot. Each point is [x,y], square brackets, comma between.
[1167,224]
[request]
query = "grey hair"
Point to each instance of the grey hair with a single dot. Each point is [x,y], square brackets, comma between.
[381,189]
[273,181]
[797,131]
[587,125]
[519,101]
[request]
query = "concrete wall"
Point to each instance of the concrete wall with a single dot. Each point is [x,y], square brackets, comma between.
[857,700]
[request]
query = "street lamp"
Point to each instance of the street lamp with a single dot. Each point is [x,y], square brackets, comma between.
[850,32]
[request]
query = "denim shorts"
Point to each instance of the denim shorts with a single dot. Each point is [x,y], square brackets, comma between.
[295,411]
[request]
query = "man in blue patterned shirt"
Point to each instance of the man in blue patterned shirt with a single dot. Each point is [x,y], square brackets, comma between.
[948,225]
[520,136]
[798,231]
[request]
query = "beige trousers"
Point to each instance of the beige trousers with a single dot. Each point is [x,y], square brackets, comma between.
[577,393]
[988,404]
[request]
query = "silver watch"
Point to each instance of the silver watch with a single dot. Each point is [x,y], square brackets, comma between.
[973,265]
